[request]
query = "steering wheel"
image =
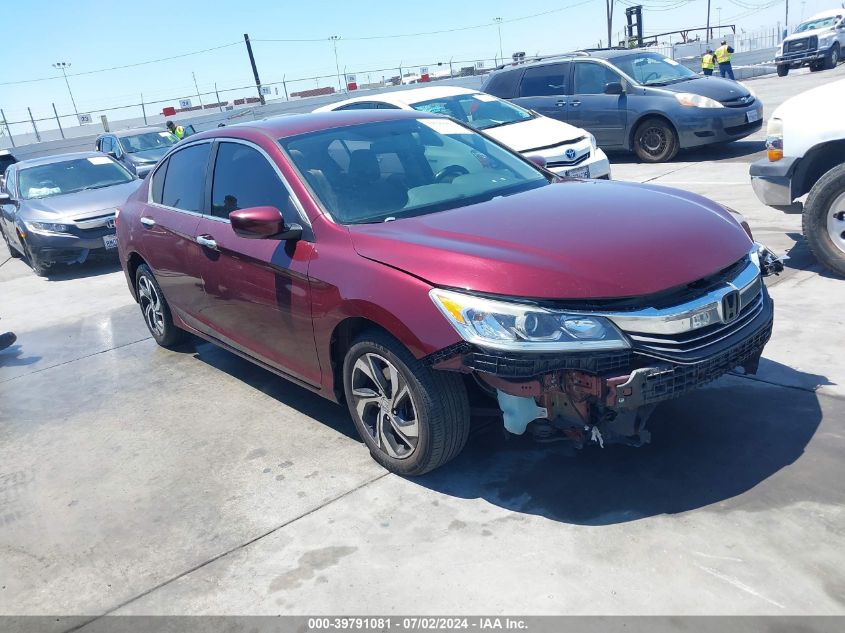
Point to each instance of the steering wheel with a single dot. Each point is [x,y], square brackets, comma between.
[649,76]
[448,174]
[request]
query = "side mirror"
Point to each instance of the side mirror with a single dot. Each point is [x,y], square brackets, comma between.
[5,198]
[537,160]
[263,223]
[614,88]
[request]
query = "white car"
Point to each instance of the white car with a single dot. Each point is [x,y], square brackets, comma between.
[567,150]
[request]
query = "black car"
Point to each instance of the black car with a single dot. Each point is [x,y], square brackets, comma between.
[632,100]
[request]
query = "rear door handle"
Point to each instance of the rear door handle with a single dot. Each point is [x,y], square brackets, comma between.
[148,222]
[560,104]
[207,241]
[575,104]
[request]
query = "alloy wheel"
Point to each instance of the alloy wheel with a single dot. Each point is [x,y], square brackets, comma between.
[151,306]
[385,406]
[836,222]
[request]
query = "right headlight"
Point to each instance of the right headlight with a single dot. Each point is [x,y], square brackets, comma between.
[514,326]
[774,139]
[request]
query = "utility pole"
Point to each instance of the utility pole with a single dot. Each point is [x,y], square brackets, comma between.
[334,39]
[786,20]
[63,66]
[254,68]
[609,5]
[217,94]
[197,87]
[719,22]
[709,35]
[498,22]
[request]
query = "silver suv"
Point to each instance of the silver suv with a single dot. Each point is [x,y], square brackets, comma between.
[817,43]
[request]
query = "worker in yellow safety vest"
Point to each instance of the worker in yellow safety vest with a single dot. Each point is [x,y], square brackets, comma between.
[177,130]
[708,62]
[723,58]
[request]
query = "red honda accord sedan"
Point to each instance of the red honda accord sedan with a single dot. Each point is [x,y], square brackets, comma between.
[407,265]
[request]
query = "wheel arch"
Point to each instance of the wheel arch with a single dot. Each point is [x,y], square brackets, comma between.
[817,161]
[133,261]
[649,115]
[341,340]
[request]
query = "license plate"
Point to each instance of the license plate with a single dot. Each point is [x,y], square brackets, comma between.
[581,172]
[110,241]
[753,115]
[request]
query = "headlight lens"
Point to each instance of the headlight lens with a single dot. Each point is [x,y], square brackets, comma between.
[46,227]
[513,326]
[774,139]
[696,101]
[824,40]
[592,140]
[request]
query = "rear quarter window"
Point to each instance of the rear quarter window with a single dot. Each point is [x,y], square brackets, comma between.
[504,84]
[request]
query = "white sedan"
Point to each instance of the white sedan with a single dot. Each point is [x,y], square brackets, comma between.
[568,150]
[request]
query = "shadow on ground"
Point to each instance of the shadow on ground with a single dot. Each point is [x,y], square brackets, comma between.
[13,357]
[708,153]
[707,448]
[91,268]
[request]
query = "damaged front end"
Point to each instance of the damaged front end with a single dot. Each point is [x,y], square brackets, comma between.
[599,379]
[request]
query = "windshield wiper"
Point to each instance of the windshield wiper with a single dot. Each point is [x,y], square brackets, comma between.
[500,124]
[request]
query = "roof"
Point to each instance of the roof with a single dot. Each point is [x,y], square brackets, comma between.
[136,130]
[56,158]
[405,97]
[598,53]
[830,13]
[295,124]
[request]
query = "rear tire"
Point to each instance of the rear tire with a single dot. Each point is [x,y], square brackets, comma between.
[655,141]
[823,220]
[411,417]
[783,70]
[832,58]
[155,309]
[815,67]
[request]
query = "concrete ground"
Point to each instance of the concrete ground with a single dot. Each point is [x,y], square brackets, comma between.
[135,480]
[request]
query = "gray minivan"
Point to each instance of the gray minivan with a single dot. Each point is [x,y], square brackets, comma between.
[632,100]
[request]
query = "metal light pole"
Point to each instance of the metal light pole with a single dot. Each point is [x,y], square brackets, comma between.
[498,22]
[196,87]
[719,12]
[334,39]
[63,66]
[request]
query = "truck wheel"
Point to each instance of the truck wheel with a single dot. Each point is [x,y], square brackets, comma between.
[783,70]
[824,220]
[655,141]
[832,57]
[816,67]
[411,417]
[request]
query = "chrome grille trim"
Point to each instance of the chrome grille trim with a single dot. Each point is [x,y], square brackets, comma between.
[93,223]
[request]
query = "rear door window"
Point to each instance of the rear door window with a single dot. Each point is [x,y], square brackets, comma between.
[184,184]
[504,84]
[544,81]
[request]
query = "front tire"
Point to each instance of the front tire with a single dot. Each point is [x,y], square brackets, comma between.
[783,70]
[655,141]
[155,309]
[823,220]
[832,58]
[411,417]
[13,252]
[39,267]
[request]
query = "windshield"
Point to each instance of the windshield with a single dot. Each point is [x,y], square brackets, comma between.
[69,176]
[148,141]
[652,69]
[394,169]
[821,23]
[479,110]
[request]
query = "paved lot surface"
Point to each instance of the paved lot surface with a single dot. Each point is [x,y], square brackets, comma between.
[138,480]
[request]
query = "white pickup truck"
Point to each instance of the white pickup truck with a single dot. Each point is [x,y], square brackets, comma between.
[806,154]
[817,43]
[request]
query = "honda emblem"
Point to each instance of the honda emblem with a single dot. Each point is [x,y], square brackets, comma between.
[110,224]
[730,306]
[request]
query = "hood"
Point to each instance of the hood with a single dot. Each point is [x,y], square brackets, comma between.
[713,87]
[79,205]
[149,155]
[571,240]
[537,132]
[819,103]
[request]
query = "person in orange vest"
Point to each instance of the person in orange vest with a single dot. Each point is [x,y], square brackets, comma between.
[708,62]
[723,58]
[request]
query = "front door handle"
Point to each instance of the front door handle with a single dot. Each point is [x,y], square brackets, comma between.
[207,241]
[574,104]
[148,222]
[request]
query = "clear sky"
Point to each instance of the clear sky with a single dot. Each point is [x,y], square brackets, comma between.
[98,34]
